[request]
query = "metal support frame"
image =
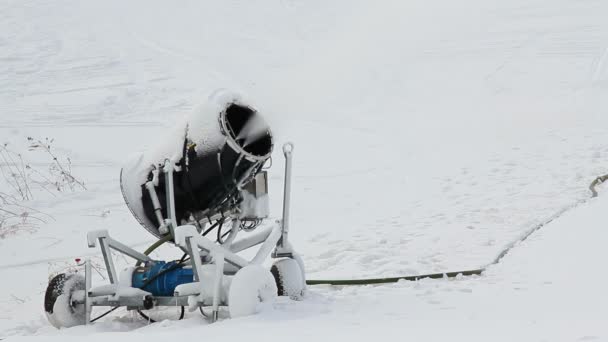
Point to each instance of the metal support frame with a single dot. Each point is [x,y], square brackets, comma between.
[201,292]
[189,239]
[137,303]
[106,243]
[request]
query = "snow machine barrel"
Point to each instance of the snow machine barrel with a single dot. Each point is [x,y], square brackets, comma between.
[218,153]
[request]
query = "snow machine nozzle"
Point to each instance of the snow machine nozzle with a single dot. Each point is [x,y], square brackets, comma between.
[220,149]
[200,189]
[247,129]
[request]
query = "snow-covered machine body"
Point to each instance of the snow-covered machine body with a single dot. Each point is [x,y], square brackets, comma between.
[216,150]
[199,189]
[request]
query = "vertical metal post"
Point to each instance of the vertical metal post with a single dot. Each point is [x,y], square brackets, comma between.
[87,288]
[287,152]
[217,283]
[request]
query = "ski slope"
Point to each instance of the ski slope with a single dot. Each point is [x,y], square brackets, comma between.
[429,136]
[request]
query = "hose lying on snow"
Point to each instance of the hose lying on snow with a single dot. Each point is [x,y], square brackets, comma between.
[596,182]
[479,271]
[371,281]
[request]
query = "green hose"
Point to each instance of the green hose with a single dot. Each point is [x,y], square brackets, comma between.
[155,245]
[158,243]
[371,281]
[596,182]
[599,180]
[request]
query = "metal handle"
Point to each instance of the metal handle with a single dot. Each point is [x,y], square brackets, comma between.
[288,149]
[288,153]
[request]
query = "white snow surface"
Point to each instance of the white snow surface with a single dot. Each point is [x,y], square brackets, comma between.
[429,135]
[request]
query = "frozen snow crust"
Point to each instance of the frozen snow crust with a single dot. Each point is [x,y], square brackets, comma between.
[429,135]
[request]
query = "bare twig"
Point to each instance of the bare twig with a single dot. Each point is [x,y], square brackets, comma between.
[21,178]
[16,218]
[65,171]
[14,176]
[17,299]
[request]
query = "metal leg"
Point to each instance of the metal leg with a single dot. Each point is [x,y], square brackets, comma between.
[197,268]
[195,257]
[87,288]
[217,283]
[107,258]
[283,248]
[266,248]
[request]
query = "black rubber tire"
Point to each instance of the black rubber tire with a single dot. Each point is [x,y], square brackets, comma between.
[53,290]
[288,277]
[58,296]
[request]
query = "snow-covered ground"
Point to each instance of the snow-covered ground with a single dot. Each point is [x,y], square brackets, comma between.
[429,135]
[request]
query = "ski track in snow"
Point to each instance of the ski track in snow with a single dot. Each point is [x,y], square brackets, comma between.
[428,137]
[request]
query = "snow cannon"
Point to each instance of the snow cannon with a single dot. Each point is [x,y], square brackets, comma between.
[204,191]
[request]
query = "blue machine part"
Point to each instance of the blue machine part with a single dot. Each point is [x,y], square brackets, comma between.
[161,278]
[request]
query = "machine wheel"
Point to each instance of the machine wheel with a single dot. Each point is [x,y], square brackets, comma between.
[250,286]
[288,277]
[59,307]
